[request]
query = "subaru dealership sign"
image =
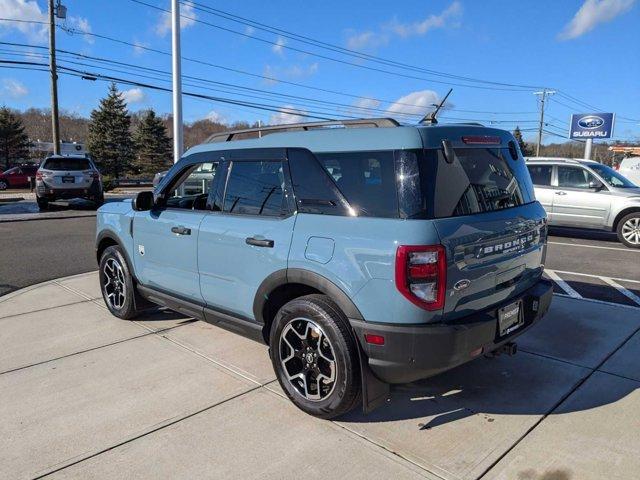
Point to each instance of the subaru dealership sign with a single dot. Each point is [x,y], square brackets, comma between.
[591,125]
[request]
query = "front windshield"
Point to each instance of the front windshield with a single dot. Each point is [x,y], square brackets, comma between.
[612,177]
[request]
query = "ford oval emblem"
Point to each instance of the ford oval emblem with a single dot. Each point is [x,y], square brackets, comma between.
[461,284]
[590,121]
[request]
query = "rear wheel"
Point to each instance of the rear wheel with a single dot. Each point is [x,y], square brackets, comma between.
[116,284]
[43,203]
[629,230]
[315,356]
[3,185]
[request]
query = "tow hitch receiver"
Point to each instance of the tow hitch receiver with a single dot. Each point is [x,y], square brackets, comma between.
[509,348]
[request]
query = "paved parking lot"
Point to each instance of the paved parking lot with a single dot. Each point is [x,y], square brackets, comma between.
[85,395]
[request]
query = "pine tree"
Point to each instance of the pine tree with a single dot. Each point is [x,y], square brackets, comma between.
[14,143]
[109,140]
[153,146]
[524,148]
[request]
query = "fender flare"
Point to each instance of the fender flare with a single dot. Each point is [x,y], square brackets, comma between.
[304,277]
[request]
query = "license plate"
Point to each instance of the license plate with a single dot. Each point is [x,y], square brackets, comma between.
[68,179]
[510,318]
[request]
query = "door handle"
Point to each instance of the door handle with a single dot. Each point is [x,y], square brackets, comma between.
[181,230]
[259,242]
[561,193]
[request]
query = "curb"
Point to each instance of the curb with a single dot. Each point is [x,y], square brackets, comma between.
[11,199]
[39,216]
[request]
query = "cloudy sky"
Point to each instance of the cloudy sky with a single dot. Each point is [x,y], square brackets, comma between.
[336,59]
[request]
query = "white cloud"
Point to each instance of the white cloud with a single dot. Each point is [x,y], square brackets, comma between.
[139,47]
[371,39]
[278,47]
[362,107]
[273,73]
[592,13]
[287,114]
[24,10]
[134,95]
[405,30]
[415,103]
[81,24]
[249,30]
[216,117]
[13,88]
[164,23]
[364,40]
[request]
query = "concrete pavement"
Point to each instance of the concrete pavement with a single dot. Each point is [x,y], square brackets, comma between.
[86,395]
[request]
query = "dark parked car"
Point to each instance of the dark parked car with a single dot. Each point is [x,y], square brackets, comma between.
[17,177]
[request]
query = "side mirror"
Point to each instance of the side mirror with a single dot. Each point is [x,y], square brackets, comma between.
[596,184]
[143,201]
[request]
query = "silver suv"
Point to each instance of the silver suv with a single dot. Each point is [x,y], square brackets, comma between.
[587,194]
[65,177]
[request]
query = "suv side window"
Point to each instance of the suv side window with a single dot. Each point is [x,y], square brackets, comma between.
[255,188]
[191,190]
[574,177]
[540,174]
[366,179]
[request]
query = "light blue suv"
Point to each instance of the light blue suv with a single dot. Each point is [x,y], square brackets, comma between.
[363,252]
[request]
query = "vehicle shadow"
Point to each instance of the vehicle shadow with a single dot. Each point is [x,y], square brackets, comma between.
[488,388]
[585,234]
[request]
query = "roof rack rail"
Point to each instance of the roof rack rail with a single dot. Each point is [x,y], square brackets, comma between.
[359,122]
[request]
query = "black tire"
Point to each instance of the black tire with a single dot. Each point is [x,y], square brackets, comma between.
[3,185]
[125,306]
[344,393]
[43,203]
[99,201]
[628,230]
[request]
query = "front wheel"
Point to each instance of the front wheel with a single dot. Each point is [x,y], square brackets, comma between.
[629,230]
[3,185]
[116,284]
[315,356]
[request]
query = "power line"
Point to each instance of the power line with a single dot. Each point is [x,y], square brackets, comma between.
[325,57]
[336,48]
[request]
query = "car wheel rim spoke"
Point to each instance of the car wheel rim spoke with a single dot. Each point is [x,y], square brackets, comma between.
[631,231]
[114,285]
[307,358]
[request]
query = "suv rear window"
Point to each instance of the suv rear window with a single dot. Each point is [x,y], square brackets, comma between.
[478,180]
[66,164]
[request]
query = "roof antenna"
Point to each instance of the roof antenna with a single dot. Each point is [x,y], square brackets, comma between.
[430,118]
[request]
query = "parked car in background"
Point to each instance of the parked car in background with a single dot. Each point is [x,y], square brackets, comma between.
[630,168]
[17,177]
[587,194]
[66,177]
[363,256]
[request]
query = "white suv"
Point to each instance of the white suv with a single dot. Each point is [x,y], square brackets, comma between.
[587,194]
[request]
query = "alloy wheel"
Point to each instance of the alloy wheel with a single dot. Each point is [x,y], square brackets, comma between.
[631,230]
[3,185]
[307,358]
[114,283]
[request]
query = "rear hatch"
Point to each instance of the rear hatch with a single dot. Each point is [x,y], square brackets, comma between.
[482,204]
[68,173]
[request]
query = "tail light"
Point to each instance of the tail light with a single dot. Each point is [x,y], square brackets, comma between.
[481,140]
[38,175]
[421,275]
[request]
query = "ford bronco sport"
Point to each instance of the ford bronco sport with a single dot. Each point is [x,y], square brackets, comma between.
[364,253]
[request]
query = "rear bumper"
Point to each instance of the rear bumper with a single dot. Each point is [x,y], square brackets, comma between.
[414,352]
[44,191]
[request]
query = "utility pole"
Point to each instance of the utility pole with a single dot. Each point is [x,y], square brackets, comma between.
[177,80]
[543,94]
[55,125]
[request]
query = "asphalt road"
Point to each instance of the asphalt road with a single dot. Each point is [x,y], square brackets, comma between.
[581,263]
[39,250]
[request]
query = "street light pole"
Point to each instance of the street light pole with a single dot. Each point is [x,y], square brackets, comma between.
[543,94]
[55,126]
[177,80]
